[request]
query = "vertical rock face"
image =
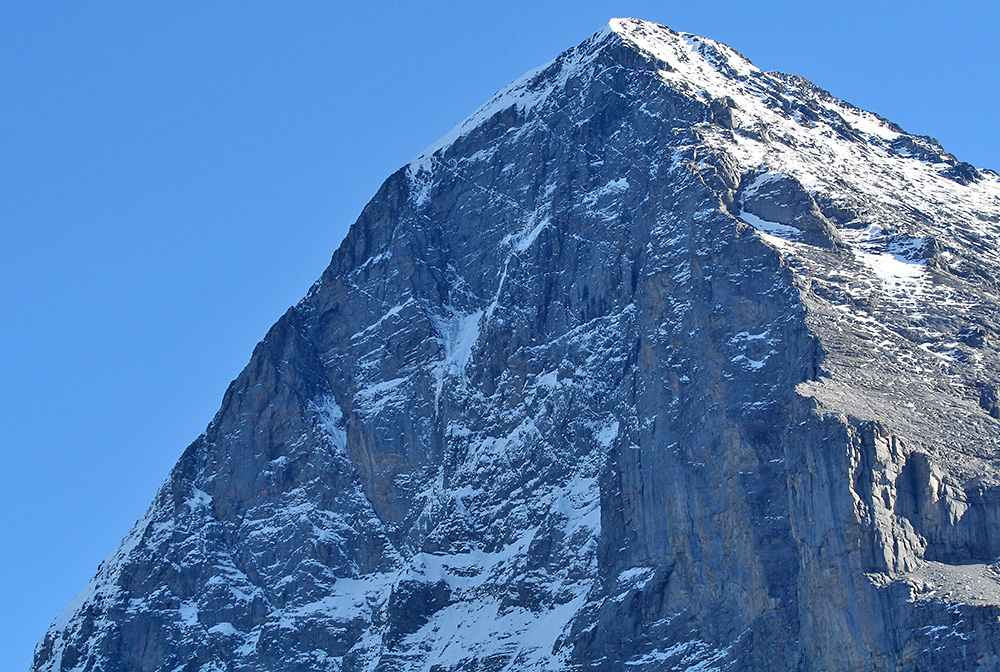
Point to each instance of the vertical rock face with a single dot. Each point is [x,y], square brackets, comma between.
[656,362]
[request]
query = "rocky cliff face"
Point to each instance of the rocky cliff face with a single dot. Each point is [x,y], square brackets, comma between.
[657,362]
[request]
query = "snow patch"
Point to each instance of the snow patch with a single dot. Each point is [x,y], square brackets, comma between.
[421,181]
[548,380]
[866,122]
[524,94]
[607,434]
[371,399]
[189,613]
[458,333]
[524,241]
[895,270]
[199,499]
[636,577]
[332,422]
[392,312]
[697,60]
[772,229]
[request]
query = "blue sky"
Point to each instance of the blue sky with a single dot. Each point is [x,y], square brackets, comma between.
[174,175]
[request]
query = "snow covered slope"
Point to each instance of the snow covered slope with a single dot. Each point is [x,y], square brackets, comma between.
[656,362]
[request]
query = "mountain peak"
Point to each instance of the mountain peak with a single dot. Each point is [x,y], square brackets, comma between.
[693,63]
[686,54]
[742,98]
[657,361]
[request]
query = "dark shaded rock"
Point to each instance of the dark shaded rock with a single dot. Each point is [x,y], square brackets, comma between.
[783,200]
[989,398]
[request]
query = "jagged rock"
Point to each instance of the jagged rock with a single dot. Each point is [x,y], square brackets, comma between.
[656,362]
[781,199]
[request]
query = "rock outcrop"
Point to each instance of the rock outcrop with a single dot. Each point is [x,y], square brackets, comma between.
[656,362]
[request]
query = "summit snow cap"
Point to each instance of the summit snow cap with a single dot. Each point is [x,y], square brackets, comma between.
[764,122]
[696,60]
[701,68]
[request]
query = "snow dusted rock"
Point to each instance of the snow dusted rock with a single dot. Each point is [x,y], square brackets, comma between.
[656,362]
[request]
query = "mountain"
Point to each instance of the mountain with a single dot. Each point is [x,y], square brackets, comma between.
[656,362]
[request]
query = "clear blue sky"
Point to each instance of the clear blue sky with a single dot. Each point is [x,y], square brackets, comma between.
[174,175]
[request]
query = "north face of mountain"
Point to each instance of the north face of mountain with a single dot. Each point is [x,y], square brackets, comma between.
[657,361]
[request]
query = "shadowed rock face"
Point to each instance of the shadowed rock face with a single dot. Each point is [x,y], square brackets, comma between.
[656,362]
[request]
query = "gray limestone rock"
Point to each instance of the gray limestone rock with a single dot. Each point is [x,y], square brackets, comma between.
[657,362]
